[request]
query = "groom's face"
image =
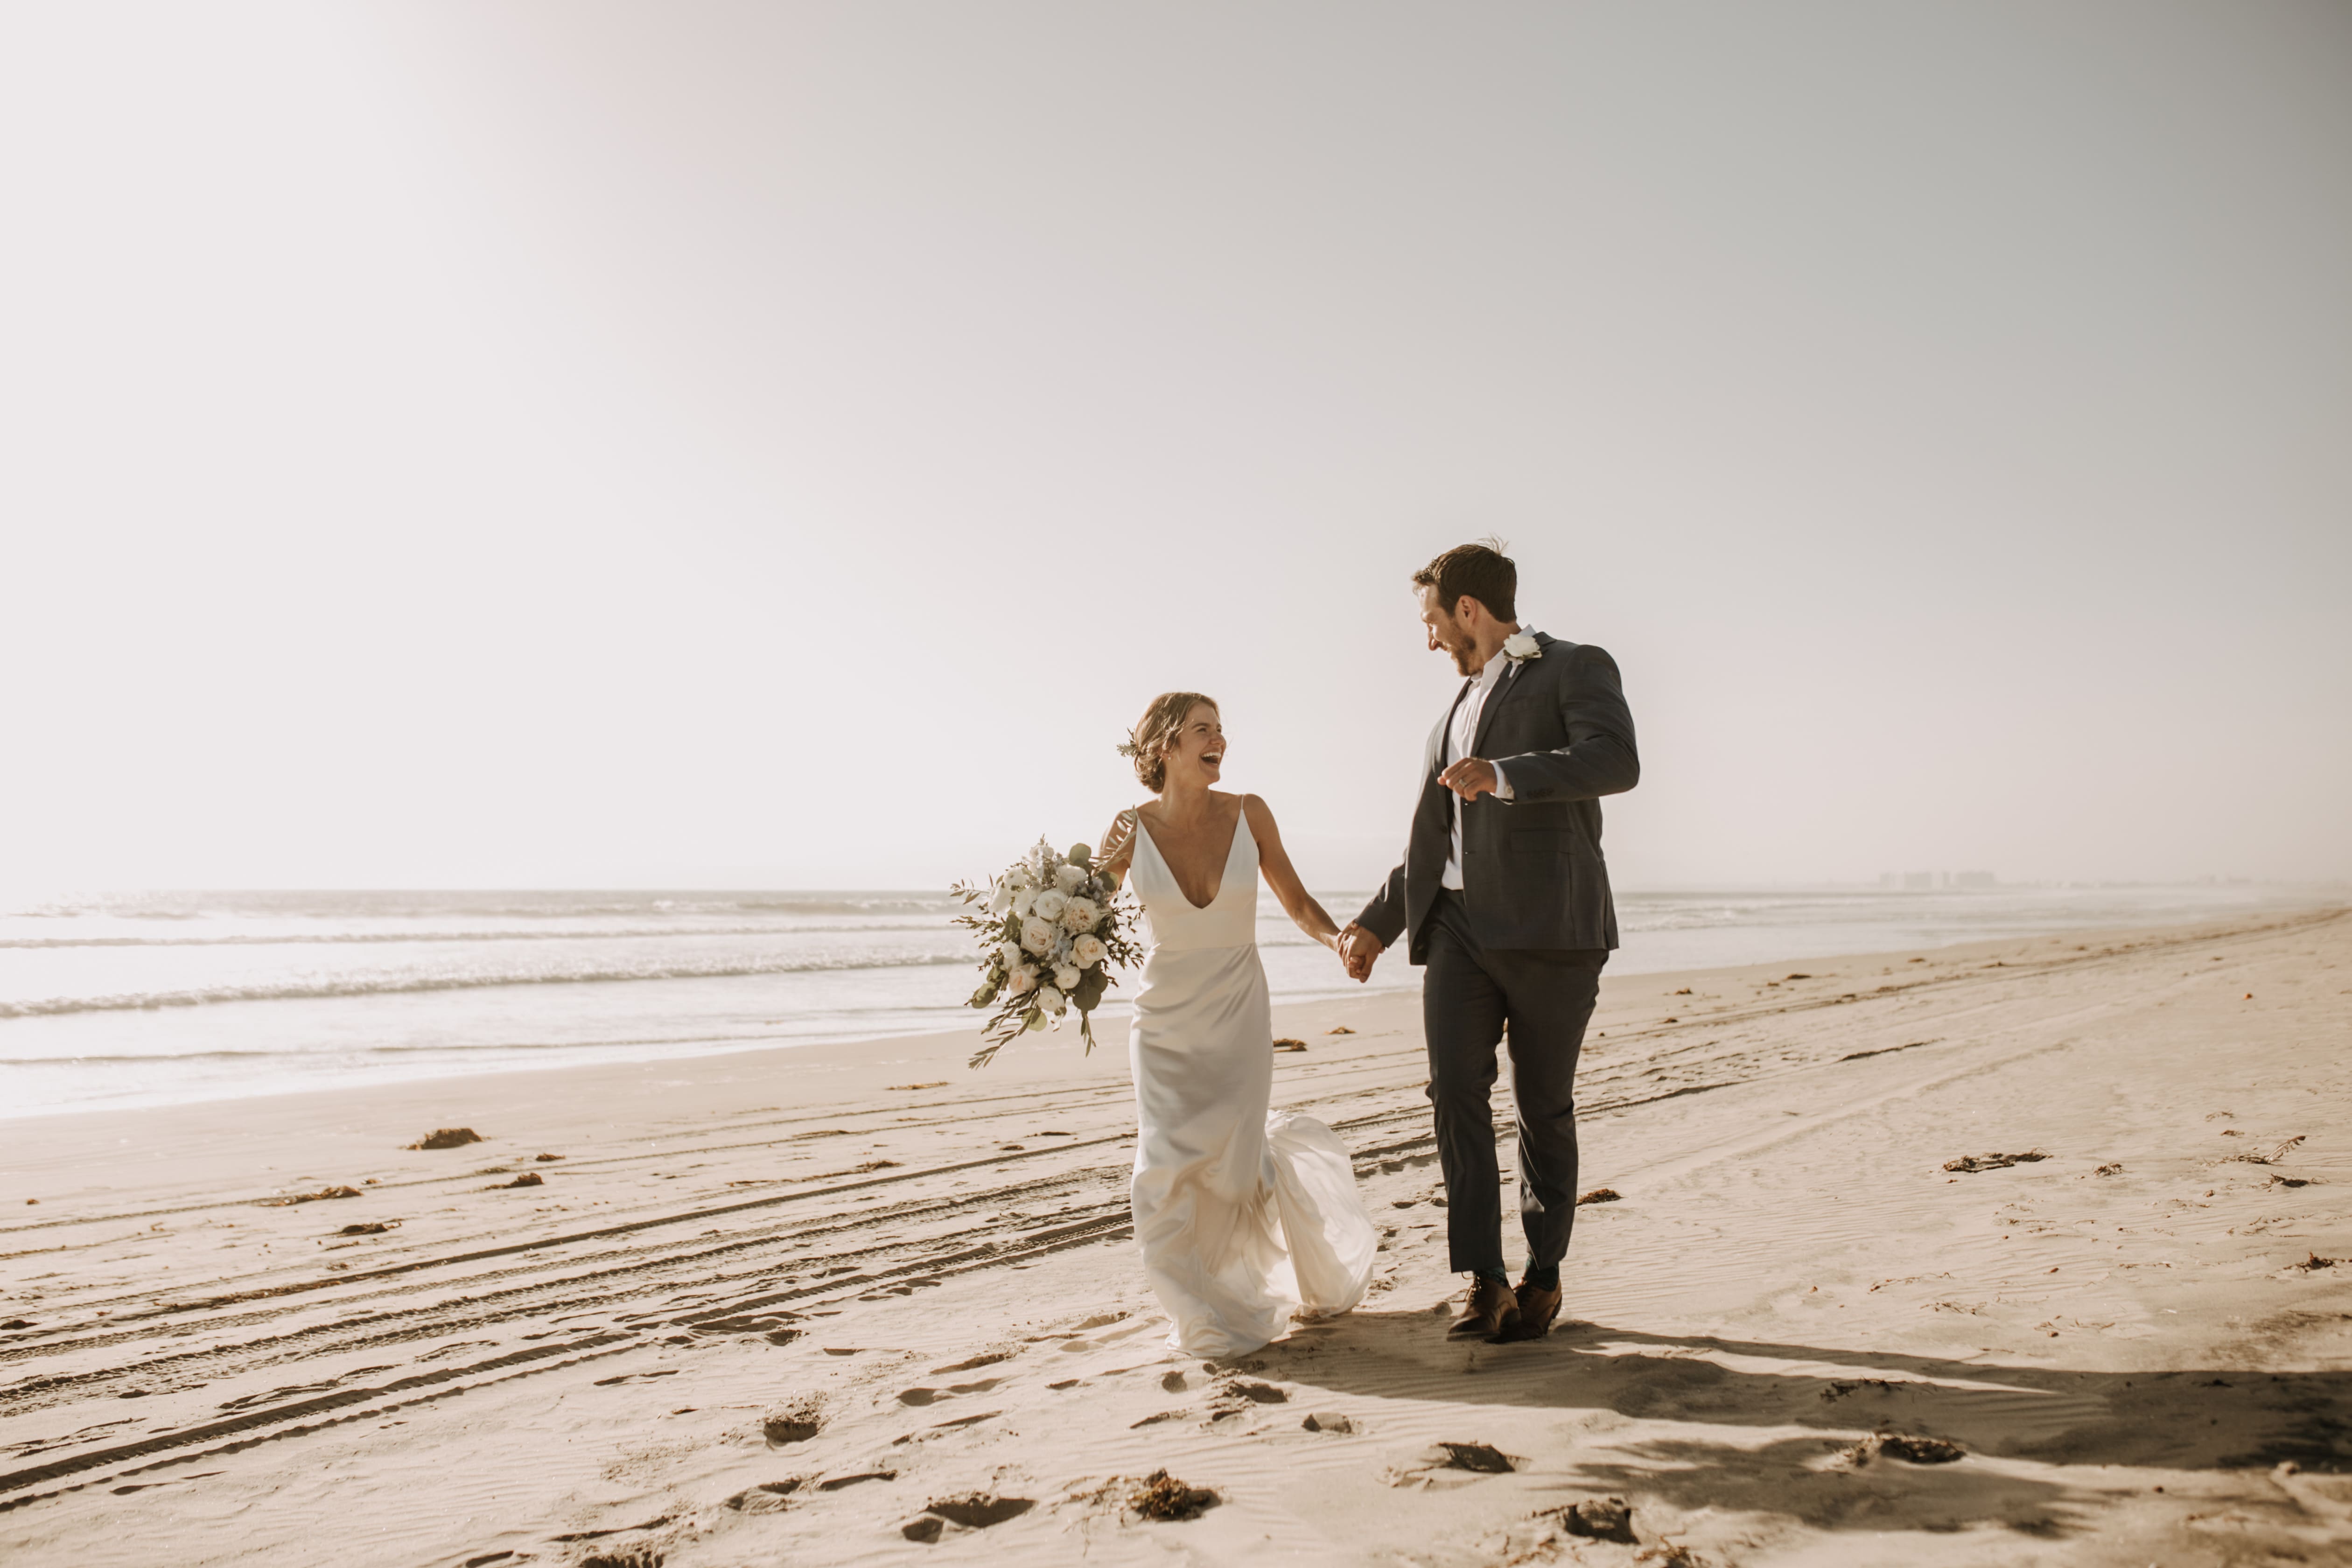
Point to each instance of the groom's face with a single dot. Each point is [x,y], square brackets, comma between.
[1447,635]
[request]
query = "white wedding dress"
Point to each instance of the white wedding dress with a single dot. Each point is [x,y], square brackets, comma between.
[1243,1215]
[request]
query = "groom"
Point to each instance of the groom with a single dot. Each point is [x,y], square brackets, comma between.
[1504,898]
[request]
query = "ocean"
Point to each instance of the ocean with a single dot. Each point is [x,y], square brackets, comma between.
[161,998]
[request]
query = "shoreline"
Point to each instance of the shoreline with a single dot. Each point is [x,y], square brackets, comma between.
[395,1078]
[312,1126]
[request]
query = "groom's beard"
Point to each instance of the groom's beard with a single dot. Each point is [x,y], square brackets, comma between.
[1465,655]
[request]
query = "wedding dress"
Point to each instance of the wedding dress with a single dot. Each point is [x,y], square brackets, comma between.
[1242,1216]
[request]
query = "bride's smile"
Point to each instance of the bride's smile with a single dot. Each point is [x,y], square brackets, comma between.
[1197,752]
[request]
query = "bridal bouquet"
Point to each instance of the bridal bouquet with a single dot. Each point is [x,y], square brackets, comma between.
[1051,930]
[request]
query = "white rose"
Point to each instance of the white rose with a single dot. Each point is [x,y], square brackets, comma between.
[1053,1001]
[1087,951]
[1008,953]
[1522,646]
[1021,981]
[1068,877]
[1003,900]
[1049,905]
[1066,977]
[1081,914]
[1037,936]
[1024,899]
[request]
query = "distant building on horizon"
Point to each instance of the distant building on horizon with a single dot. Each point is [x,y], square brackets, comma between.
[1932,881]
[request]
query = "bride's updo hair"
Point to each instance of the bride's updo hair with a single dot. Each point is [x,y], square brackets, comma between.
[1148,742]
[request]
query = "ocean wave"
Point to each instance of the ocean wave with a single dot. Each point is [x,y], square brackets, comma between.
[302,939]
[399,984]
[496,905]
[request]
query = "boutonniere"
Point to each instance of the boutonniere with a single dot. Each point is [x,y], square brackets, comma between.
[1521,646]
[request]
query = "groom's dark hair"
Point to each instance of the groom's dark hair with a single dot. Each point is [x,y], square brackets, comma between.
[1481,570]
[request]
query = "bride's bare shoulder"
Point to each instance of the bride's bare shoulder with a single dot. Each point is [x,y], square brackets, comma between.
[1260,818]
[1117,842]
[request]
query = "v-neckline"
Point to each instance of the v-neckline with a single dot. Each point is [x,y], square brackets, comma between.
[1222,870]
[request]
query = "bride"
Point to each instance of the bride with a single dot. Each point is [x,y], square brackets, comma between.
[1242,1216]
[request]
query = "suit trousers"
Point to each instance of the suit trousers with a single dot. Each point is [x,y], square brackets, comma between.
[1470,997]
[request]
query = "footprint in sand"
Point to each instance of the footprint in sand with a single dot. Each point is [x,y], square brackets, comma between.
[957,1425]
[975,1511]
[785,1427]
[769,1497]
[932,1395]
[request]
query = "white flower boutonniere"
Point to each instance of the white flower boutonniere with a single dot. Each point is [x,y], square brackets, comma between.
[1521,646]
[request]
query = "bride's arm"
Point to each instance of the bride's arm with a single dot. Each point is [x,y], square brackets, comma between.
[1118,851]
[1283,878]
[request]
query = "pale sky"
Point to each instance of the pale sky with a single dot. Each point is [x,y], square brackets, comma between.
[767,444]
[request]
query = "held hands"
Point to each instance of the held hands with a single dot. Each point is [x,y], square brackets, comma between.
[1469,778]
[1359,949]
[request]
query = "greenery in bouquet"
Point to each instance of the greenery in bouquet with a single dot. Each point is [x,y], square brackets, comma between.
[1052,929]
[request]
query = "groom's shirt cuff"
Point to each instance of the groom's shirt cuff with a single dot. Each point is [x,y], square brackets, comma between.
[1502,784]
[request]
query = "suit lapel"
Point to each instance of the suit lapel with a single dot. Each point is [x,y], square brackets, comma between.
[1433,763]
[1495,699]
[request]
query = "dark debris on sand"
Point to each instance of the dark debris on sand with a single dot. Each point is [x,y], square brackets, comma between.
[1480,1458]
[448,1137]
[1290,1045]
[1257,1393]
[1599,1519]
[372,1227]
[311,1197]
[1161,1496]
[1601,1195]
[1969,1163]
[528,1179]
[1910,1449]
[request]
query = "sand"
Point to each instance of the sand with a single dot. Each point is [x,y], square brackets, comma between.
[856,1304]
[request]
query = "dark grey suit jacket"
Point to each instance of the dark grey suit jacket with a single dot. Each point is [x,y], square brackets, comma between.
[1532,875]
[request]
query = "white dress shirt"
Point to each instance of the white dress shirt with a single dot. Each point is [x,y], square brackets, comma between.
[1460,734]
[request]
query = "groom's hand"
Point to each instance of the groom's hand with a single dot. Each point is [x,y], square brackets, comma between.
[1469,778]
[1358,949]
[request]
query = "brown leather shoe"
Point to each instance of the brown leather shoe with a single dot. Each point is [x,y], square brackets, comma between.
[1538,1308]
[1492,1310]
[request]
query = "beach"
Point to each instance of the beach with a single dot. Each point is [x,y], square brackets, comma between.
[2035,1249]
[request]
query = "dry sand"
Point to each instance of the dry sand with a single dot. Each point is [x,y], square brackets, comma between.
[856,1304]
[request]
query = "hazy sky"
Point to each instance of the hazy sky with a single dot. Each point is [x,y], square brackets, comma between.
[693,443]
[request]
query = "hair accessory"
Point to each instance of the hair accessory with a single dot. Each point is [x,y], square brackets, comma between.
[1126,748]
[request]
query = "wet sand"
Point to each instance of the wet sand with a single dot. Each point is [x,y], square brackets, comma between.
[855,1304]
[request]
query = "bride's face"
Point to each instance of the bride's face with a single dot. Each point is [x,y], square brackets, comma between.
[1197,750]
